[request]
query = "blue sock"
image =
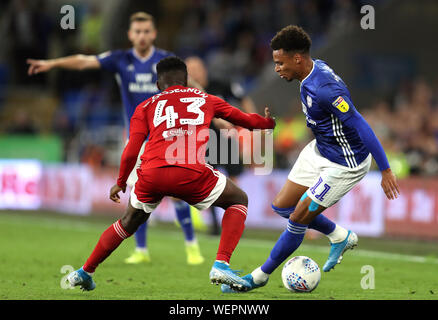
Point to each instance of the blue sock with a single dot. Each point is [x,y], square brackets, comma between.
[288,242]
[140,235]
[183,215]
[322,224]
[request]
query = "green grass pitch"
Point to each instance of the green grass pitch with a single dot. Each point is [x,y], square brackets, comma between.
[34,247]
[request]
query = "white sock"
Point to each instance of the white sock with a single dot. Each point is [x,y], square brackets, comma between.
[89,273]
[191,242]
[259,276]
[338,235]
[143,250]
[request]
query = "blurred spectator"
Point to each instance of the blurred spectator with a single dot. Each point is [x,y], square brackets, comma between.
[290,136]
[233,36]
[29,28]
[21,123]
[91,31]
[409,128]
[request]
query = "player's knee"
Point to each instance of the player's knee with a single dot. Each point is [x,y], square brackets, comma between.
[283,212]
[242,198]
[132,219]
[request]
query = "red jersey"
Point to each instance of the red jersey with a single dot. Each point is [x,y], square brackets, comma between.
[177,121]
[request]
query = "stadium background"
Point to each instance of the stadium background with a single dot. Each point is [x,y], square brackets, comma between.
[61,133]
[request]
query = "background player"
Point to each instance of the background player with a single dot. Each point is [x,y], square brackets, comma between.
[136,76]
[171,119]
[330,165]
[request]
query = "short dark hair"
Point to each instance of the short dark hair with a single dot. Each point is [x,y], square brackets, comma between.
[169,64]
[171,71]
[292,39]
[141,16]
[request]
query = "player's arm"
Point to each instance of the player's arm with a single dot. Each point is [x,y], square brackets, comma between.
[366,134]
[138,133]
[340,104]
[74,62]
[250,121]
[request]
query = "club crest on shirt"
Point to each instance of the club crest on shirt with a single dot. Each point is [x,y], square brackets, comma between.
[341,104]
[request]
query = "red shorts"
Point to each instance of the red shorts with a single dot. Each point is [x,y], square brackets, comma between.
[199,187]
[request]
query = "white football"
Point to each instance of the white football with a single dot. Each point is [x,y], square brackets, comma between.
[301,274]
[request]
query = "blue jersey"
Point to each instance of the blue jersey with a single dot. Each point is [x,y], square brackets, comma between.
[135,76]
[327,105]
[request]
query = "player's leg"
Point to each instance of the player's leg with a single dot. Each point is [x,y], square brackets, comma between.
[340,238]
[284,205]
[286,200]
[141,252]
[306,173]
[333,183]
[235,203]
[215,228]
[286,244]
[110,239]
[211,187]
[183,214]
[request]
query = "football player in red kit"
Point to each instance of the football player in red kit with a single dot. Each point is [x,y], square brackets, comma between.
[177,122]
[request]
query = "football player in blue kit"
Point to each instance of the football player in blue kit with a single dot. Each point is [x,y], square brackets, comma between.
[136,75]
[329,166]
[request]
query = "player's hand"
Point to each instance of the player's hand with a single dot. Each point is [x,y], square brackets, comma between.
[114,193]
[268,116]
[38,66]
[389,184]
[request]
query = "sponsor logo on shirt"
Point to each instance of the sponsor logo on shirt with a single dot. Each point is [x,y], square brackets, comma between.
[341,104]
[176,133]
[143,84]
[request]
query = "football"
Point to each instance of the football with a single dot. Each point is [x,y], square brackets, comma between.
[301,274]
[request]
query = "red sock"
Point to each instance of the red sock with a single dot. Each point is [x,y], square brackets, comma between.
[233,223]
[108,242]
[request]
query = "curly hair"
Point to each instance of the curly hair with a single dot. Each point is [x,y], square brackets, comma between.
[292,38]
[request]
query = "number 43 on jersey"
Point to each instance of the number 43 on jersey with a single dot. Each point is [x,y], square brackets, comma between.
[168,114]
